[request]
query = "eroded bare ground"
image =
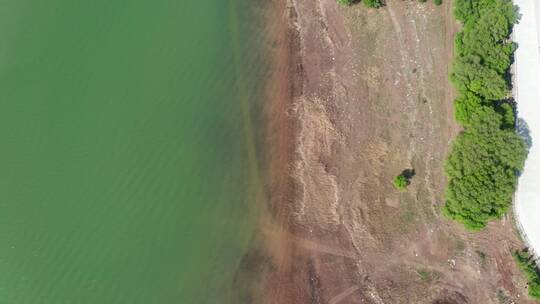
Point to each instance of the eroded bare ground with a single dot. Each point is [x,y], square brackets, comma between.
[374,99]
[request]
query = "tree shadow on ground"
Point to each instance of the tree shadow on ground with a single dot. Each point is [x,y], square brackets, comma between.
[408,173]
[522,129]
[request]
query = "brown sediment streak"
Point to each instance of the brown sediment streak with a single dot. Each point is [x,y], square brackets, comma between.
[318,193]
[243,98]
[269,261]
[316,202]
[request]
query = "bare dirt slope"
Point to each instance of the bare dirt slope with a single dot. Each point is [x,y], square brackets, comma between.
[371,98]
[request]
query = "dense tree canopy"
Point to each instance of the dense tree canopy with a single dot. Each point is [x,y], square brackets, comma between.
[470,75]
[483,165]
[471,10]
[486,157]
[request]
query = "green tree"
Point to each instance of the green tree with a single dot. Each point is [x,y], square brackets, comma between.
[465,106]
[470,75]
[482,170]
[487,39]
[470,10]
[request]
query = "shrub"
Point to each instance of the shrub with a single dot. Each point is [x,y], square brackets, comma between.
[401,182]
[437,2]
[367,3]
[372,3]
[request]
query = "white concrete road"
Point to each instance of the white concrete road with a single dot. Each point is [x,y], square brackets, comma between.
[527,93]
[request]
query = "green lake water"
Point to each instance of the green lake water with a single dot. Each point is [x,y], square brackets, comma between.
[128,171]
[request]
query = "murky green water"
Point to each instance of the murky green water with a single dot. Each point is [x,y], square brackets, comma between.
[128,168]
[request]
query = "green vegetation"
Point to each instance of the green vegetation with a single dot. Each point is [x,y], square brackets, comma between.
[345,2]
[367,3]
[528,265]
[377,3]
[486,158]
[401,182]
[372,3]
[404,179]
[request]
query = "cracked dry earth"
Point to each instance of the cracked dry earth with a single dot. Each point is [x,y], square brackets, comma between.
[371,97]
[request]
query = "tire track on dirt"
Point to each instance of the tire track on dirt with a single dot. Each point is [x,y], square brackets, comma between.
[405,69]
[344,294]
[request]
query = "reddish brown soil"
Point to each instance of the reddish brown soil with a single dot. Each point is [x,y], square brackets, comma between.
[364,94]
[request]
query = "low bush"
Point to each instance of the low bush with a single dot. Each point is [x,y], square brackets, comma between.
[367,3]
[401,182]
[372,3]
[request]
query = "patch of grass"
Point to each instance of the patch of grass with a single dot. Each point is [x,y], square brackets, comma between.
[428,276]
[527,264]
